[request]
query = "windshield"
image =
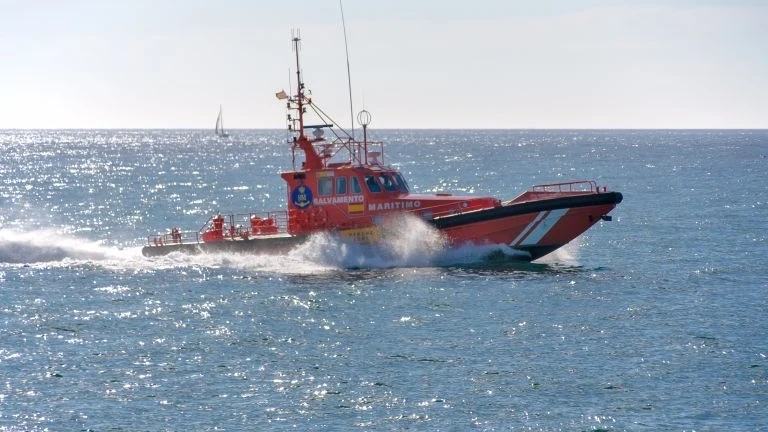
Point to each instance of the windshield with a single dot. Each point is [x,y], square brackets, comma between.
[402,185]
[372,184]
[388,183]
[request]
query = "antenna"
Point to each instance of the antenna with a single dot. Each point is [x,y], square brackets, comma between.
[349,75]
[296,40]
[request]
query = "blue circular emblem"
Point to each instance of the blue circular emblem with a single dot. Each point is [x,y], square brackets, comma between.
[301,196]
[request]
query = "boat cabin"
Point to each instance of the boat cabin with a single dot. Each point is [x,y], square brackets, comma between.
[342,184]
[358,193]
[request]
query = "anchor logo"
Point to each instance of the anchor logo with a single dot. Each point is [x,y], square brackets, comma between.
[301,196]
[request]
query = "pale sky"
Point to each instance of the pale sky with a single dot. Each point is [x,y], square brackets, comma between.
[414,64]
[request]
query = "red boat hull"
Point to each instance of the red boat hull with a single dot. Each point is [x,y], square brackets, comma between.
[256,245]
[537,227]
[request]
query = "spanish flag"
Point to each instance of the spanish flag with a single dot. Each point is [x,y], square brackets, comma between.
[355,208]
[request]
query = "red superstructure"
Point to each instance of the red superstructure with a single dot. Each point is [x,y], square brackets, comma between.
[343,185]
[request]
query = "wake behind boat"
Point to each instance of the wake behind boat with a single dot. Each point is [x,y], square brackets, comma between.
[344,186]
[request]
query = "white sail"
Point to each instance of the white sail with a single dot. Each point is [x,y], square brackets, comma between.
[220,125]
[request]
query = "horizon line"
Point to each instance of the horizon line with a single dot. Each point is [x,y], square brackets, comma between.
[397,129]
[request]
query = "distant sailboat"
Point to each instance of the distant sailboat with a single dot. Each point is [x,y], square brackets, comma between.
[220,132]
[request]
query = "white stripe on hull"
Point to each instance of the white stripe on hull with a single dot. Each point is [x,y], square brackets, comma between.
[528,228]
[535,231]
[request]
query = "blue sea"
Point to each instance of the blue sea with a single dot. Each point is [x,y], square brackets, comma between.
[657,320]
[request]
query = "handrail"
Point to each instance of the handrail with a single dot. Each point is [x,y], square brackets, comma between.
[253,224]
[567,187]
[359,151]
[174,237]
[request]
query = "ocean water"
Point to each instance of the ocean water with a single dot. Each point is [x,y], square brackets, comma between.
[657,320]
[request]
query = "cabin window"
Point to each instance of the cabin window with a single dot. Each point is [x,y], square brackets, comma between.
[355,185]
[341,185]
[388,183]
[372,184]
[325,185]
[401,183]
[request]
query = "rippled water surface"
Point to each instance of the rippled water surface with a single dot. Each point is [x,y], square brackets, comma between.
[654,321]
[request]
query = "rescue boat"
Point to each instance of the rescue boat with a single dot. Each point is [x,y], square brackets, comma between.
[343,186]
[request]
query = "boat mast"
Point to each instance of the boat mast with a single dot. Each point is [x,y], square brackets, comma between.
[299,86]
[349,74]
[312,160]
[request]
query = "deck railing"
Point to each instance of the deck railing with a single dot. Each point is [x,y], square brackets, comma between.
[574,186]
[235,225]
